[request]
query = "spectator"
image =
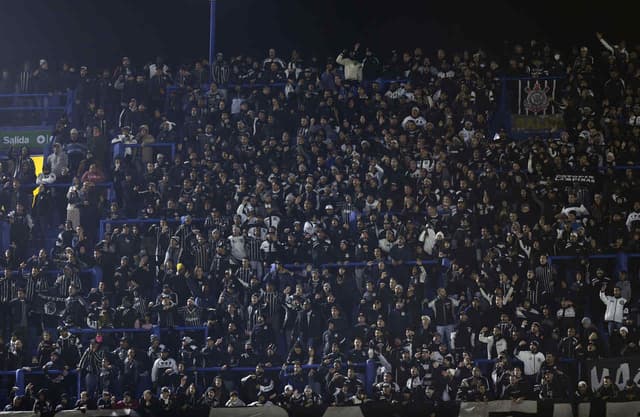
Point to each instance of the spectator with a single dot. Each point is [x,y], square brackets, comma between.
[615,308]
[329,170]
[532,360]
[444,314]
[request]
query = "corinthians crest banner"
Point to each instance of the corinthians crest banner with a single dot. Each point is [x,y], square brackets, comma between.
[536,97]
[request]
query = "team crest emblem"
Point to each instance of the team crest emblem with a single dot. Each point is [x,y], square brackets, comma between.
[537,99]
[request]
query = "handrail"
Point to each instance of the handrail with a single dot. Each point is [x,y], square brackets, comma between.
[66,184]
[205,87]
[150,145]
[267,369]
[33,108]
[545,78]
[34,94]
[21,373]
[104,222]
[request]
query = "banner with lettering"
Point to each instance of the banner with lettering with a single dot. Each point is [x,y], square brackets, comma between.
[33,138]
[620,370]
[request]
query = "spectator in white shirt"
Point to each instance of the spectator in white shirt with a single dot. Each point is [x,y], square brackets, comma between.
[532,360]
[615,308]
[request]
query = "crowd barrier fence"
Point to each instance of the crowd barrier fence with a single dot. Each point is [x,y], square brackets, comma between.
[466,409]
[42,104]
[118,148]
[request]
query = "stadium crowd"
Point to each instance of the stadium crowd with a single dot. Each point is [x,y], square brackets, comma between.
[319,214]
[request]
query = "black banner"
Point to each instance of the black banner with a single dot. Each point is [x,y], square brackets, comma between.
[619,369]
[571,178]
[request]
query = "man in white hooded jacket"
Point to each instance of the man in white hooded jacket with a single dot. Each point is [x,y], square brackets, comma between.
[614,313]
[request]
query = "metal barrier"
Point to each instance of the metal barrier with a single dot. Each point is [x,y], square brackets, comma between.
[369,367]
[105,222]
[22,373]
[156,330]
[114,147]
[43,104]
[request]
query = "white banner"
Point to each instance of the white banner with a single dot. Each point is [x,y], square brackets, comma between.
[75,413]
[17,414]
[97,413]
[623,409]
[564,410]
[267,411]
[343,412]
[482,409]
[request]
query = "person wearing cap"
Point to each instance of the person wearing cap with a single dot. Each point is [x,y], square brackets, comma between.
[615,308]
[167,403]
[532,360]
[164,369]
[623,343]
[608,391]
[188,352]
[42,407]
[234,400]
[106,401]
[415,117]
[68,345]
[259,384]
[552,390]
[472,386]
[165,310]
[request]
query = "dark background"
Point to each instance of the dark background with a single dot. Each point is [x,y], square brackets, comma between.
[88,32]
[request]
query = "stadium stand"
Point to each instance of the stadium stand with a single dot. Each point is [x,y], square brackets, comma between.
[304,233]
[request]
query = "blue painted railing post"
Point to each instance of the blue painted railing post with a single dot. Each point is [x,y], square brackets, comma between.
[101,230]
[20,381]
[156,331]
[78,383]
[370,376]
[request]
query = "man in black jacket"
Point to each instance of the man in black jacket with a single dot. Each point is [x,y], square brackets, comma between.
[444,314]
[308,326]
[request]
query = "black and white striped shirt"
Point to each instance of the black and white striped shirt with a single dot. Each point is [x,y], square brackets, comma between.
[273,301]
[7,289]
[35,285]
[544,274]
[533,291]
[64,281]
[91,361]
[244,275]
[202,255]
[253,249]
[192,316]
[221,74]
[24,82]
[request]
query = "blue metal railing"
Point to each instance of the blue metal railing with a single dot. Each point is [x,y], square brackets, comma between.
[61,102]
[103,223]
[120,152]
[22,373]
